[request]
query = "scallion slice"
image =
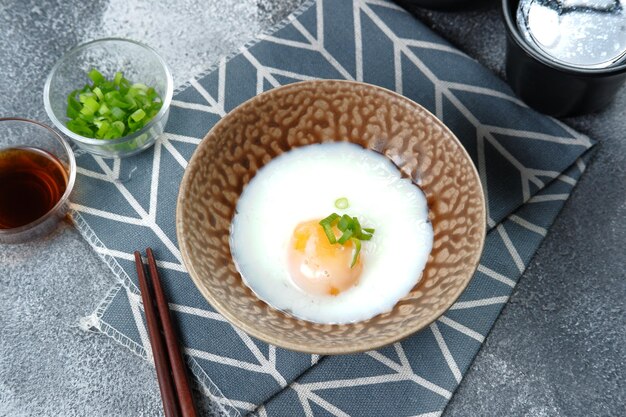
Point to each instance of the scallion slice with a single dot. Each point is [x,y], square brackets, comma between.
[342,203]
[351,231]
[357,251]
[111,109]
[344,222]
[96,76]
[327,225]
[345,236]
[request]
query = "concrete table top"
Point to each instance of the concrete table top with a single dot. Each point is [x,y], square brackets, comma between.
[558,349]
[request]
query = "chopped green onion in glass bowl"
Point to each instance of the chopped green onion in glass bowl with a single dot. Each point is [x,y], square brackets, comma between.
[110,96]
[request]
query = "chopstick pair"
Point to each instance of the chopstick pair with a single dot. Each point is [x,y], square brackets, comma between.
[170,368]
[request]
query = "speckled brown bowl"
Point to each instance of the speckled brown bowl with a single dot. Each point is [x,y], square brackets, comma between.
[319,111]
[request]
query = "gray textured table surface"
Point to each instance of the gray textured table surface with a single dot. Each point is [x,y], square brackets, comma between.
[559,348]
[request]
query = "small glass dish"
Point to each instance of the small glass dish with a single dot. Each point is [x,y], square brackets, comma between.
[139,63]
[23,136]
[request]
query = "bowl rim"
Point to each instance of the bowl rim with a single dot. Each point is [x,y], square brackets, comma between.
[71,176]
[326,350]
[513,32]
[169,93]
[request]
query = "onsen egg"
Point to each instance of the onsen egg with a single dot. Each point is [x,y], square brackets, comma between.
[285,257]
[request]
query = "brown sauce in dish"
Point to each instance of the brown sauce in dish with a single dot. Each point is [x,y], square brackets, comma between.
[32,181]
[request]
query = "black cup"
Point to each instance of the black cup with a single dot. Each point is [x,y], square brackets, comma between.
[444,4]
[552,87]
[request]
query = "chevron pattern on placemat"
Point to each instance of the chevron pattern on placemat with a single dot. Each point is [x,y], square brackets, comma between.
[129,204]
[417,376]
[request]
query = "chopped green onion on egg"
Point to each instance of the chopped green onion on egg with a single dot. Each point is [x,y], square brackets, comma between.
[342,203]
[351,231]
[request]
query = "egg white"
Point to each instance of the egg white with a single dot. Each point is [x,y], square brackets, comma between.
[302,185]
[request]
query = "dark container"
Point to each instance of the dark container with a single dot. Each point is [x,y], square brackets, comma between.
[444,4]
[551,87]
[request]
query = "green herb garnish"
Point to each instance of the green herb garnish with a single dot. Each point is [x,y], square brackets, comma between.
[342,203]
[351,231]
[111,109]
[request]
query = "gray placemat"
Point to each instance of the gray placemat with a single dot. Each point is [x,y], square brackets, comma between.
[418,375]
[128,204]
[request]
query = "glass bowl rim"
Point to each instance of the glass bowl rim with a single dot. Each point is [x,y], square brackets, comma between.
[70,180]
[100,142]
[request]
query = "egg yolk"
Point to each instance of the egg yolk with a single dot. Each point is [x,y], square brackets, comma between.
[316,265]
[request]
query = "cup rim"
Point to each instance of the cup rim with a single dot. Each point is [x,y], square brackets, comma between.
[169,92]
[513,32]
[70,180]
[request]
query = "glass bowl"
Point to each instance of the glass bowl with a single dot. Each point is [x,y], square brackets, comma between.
[139,64]
[20,134]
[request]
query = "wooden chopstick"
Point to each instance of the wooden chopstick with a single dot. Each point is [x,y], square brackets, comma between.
[168,360]
[185,400]
[161,360]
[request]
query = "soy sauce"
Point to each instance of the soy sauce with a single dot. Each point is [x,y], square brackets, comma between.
[32,181]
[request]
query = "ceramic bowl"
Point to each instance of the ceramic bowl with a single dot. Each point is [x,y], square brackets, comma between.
[300,114]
